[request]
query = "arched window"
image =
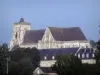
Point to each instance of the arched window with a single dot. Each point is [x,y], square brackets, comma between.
[87,55]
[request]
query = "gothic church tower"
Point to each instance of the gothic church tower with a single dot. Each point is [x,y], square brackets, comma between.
[19,30]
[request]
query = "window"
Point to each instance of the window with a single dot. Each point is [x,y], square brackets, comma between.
[87,55]
[45,57]
[75,55]
[83,56]
[78,55]
[53,57]
[93,55]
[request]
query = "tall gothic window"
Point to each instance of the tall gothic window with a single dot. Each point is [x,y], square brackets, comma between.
[16,35]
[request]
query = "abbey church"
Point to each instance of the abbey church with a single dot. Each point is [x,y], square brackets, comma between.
[52,41]
[49,38]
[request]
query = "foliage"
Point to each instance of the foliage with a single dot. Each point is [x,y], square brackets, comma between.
[3,58]
[97,54]
[21,53]
[25,61]
[17,68]
[90,69]
[93,43]
[67,65]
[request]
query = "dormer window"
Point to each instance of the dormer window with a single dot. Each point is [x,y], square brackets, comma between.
[75,55]
[53,57]
[78,55]
[45,57]
[87,55]
[93,55]
[83,56]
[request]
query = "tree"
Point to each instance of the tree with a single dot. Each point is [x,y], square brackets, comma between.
[67,65]
[3,59]
[97,53]
[20,68]
[26,60]
[21,53]
[93,43]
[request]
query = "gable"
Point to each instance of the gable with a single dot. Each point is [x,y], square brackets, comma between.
[67,34]
[47,36]
[38,71]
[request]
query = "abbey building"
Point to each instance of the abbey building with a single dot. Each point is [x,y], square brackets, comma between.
[52,41]
[49,38]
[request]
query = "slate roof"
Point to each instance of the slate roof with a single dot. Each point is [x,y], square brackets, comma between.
[67,34]
[46,69]
[53,52]
[33,36]
[65,51]
[59,34]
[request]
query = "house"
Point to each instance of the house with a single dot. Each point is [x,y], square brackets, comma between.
[43,71]
[48,56]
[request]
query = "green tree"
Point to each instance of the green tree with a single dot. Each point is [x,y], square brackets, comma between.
[67,65]
[23,67]
[21,53]
[97,53]
[3,59]
[93,43]
[25,60]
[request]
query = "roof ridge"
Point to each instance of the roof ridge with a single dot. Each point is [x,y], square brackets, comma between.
[64,27]
[36,30]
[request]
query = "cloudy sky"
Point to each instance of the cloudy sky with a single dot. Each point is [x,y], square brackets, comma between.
[58,13]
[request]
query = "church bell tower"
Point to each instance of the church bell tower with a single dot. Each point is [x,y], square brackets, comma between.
[19,30]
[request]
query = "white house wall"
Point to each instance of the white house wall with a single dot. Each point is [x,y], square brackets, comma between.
[48,63]
[89,61]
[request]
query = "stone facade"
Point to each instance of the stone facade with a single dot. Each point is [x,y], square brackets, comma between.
[47,40]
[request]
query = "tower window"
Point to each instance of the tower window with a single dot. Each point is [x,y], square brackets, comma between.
[16,35]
